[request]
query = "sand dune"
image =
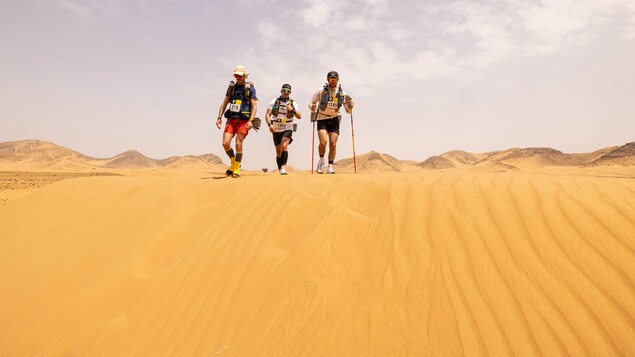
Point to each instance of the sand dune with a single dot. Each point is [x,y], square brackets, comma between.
[440,263]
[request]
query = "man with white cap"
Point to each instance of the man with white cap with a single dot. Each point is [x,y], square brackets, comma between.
[330,98]
[242,100]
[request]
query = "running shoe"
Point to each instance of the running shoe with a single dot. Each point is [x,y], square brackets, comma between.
[232,167]
[320,166]
[330,170]
[236,172]
[283,171]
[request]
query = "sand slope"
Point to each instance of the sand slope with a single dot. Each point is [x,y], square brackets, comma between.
[438,263]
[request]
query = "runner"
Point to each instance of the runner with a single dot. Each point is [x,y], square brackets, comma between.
[243,104]
[279,117]
[330,98]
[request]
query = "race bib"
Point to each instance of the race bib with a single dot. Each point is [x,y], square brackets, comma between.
[281,123]
[235,107]
[333,104]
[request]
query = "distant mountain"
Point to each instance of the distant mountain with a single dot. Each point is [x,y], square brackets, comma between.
[37,151]
[212,159]
[623,156]
[190,162]
[437,162]
[529,157]
[461,158]
[39,154]
[592,156]
[532,157]
[372,161]
[43,154]
[131,159]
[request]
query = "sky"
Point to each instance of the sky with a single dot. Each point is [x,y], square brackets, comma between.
[106,76]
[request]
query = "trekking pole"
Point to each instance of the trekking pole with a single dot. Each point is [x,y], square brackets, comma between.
[353,139]
[313,139]
[312,148]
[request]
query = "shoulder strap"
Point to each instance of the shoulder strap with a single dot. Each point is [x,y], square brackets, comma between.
[324,97]
[276,107]
[230,89]
[247,92]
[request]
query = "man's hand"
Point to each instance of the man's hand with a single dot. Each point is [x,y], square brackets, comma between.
[218,122]
[350,102]
[249,125]
[313,107]
[271,129]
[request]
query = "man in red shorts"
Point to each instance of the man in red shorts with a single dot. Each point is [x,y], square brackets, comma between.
[242,101]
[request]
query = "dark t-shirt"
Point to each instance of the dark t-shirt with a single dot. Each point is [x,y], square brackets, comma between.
[237,103]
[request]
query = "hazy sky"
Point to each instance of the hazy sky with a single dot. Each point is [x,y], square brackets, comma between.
[106,76]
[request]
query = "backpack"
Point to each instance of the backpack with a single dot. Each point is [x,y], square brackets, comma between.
[246,95]
[246,92]
[324,98]
[276,107]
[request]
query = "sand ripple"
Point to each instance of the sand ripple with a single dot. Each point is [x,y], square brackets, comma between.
[438,263]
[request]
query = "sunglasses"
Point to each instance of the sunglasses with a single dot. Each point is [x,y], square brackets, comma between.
[238,76]
[286,90]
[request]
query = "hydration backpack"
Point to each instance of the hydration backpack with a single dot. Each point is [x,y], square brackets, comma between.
[276,107]
[324,98]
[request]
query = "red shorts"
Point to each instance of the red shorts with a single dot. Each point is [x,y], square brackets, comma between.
[236,126]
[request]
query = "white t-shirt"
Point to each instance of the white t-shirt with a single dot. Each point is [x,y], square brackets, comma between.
[281,122]
[332,105]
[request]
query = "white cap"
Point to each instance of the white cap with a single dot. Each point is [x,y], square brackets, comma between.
[240,70]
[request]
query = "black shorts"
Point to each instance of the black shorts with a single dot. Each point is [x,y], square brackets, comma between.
[330,125]
[277,137]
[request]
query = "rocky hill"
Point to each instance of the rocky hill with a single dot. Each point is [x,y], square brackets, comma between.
[371,161]
[532,157]
[37,154]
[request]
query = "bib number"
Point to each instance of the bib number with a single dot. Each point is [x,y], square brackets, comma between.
[235,107]
[332,105]
[281,124]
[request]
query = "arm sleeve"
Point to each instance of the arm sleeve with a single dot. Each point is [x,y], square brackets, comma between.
[316,98]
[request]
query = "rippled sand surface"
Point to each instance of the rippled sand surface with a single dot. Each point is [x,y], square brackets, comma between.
[443,263]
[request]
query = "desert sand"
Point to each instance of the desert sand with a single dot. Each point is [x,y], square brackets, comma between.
[480,260]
